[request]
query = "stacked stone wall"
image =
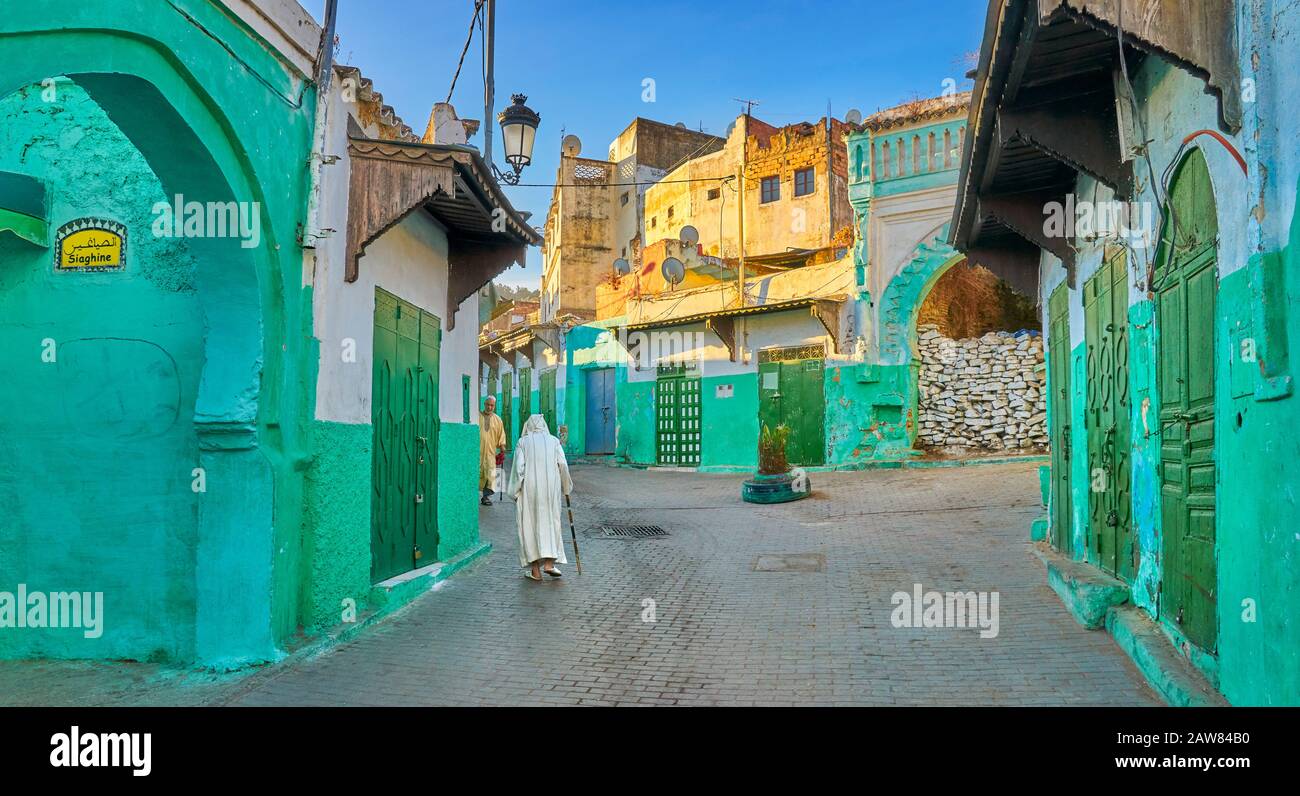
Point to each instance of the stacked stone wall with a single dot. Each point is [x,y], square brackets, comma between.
[984,393]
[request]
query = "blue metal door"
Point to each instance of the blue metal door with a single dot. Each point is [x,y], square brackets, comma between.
[600,411]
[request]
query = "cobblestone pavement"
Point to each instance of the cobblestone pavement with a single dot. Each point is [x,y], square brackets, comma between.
[727,631]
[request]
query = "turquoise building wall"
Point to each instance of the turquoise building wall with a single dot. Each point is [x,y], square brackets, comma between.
[228,558]
[1257,441]
[96,499]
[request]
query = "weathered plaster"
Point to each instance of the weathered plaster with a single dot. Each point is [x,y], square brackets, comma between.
[210,132]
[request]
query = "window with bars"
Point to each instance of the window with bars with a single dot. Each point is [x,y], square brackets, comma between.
[792,353]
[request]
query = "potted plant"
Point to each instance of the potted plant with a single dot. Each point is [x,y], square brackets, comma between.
[775,482]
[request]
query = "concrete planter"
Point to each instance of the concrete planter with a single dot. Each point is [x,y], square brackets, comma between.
[774,489]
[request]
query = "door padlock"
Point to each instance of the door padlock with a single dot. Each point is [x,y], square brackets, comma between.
[1112,519]
[419,497]
[418,553]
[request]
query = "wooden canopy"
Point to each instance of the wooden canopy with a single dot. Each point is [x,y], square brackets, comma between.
[392,179]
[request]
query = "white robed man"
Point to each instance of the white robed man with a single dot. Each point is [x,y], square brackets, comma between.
[491,449]
[538,479]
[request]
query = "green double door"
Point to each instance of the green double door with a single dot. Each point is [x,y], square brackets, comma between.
[1058,377]
[791,393]
[677,418]
[404,413]
[1106,416]
[1186,287]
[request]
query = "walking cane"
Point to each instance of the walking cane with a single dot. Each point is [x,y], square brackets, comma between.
[574,530]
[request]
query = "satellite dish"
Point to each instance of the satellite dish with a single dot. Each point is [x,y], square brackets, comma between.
[854,116]
[673,270]
[730,127]
[572,146]
[622,267]
[681,125]
[689,235]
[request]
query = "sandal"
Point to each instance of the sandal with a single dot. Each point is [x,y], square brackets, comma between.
[533,577]
[555,573]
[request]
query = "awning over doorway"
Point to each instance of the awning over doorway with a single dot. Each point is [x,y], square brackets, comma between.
[392,179]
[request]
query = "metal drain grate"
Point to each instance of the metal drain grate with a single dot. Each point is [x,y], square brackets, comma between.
[631,531]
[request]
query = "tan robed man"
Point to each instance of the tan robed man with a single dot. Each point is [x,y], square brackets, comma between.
[491,448]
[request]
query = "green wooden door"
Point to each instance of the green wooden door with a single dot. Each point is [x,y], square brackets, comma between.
[792,393]
[677,418]
[546,401]
[404,415]
[1110,516]
[525,395]
[507,404]
[1186,287]
[1058,377]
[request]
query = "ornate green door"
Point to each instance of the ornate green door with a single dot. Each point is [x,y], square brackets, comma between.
[404,414]
[1058,376]
[677,418]
[791,391]
[1186,285]
[1110,520]
[546,400]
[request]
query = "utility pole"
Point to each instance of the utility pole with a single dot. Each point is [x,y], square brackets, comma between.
[489,84]
[744,157]
[744,162]
[830,180]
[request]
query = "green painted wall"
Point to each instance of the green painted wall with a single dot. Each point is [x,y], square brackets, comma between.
[870,412]
[635,406]
[1145,451]
[214,129]
[336,539]
[458,495]
[729,435]
[98,447]
[1080,480]
[1258,458]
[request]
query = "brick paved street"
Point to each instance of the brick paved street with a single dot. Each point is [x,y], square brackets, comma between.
[727,634]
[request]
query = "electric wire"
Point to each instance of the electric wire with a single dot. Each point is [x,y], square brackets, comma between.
[478,6]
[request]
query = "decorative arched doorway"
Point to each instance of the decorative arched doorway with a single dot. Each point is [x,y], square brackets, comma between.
[1186,287]
[896,324]
[968,383]
[153,477]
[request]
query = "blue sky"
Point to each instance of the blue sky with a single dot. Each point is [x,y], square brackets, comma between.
[583,64]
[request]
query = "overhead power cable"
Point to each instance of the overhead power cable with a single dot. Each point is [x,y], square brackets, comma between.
[478,6]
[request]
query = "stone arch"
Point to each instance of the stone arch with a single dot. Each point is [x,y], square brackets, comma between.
[205,128]
[903,296]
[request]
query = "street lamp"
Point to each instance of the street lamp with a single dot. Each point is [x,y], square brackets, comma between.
[518,132]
